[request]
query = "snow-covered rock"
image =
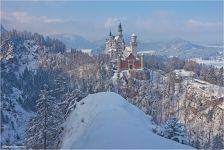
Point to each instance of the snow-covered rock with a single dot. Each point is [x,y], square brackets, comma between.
[106,120]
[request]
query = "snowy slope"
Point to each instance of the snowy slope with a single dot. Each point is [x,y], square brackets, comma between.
[16,55]
[106,120]
[15,119]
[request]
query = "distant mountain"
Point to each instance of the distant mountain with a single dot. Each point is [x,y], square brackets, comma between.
[181,48]
[174,47]
[3,29]
[74,41]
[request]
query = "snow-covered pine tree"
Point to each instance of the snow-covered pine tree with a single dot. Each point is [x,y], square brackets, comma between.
[173,129]
[211,75]
[44,126]
[143,98]
[102,76]
[218,142]
[220,77]
[197,143]
[60,88]
[70,100]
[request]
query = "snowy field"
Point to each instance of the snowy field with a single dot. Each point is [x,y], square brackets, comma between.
[216,63]
[106,120]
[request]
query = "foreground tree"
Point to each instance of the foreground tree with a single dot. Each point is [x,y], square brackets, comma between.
[220,77]
[218,142]
[44,126]
[173,129]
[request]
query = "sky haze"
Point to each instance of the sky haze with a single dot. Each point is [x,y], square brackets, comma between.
[200,21]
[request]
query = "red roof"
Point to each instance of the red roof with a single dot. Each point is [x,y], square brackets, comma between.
[131,57]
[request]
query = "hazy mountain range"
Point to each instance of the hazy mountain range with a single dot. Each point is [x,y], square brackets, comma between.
[174,47]
[74,41]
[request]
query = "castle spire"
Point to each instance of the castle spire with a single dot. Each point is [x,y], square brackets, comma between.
[120,28]
[110,33]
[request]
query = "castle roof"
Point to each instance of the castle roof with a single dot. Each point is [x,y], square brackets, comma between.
[117,37]
[133,34]
[119,27]
[131,57]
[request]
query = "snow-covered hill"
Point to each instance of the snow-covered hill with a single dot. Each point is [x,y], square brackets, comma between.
[106,120]
[21,54]
[17,58]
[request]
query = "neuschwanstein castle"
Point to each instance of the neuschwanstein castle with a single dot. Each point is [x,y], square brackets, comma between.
[125,58]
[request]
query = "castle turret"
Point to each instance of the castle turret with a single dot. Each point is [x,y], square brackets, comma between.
[120,30]
[110,37]
[119,63]
[133,44]
[142,61]
[110,44]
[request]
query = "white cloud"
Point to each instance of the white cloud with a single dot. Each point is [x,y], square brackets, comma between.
[200,25]
[157,25]
[53,20]
[20,17]
[26,18]
[164,14]
[112,22]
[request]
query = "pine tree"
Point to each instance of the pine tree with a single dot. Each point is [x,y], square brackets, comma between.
[44,126]
[102,76]
[60,88]
[218,142]
[211,75]
[144,96]
[220,77]
[174,130]
[197,143]
[70,100]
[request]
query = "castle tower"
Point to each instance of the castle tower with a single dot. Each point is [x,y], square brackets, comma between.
[133,44]
[120,30]
[120,45]
[110,44]
[110,36]
[119,63]
[142,61]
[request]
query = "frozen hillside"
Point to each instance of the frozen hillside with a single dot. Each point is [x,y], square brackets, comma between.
[17,60]
[21,54]
[106,120]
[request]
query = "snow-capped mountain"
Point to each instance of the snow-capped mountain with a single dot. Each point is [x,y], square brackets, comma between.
[3,29]
[74,41]
[180,48]
[106,120]
[174,47]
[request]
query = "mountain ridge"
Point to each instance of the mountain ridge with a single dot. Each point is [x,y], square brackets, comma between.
[110,116]
[174,47]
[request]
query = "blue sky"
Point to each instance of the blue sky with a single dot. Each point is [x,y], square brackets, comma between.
[200,21]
